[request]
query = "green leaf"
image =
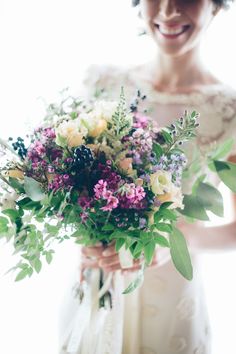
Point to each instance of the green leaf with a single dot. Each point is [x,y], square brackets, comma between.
[137,249]
[223,150]
[227,173]
[164,227]
[180,254]
[160,240]
[168,214]
[22,274]
[37,265]
[18,186]
[165,205]
[49,257]
[197,182]
[108,227]
[12,214]
[3,226]
[157,149]
[119,243]
[28,204]
[61,141]
[33,189]
[193,208]
[210,198]
[167,136]
[136,283]
[149,250]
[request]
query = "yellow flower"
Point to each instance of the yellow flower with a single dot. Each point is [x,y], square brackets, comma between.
[16,174]
[98,129]
[139,182]
[71,133]
[75,139]
[126,165]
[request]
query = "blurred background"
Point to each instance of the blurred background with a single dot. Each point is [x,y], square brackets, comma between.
[46,46]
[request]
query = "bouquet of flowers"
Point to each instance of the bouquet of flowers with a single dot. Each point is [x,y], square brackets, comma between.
[100,172]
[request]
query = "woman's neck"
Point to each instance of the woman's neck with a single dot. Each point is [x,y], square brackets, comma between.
[180,74]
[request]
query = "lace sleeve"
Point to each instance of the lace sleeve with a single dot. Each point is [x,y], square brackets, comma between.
[230,119]
[106,79]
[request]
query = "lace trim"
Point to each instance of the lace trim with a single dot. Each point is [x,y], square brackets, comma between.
[216,103]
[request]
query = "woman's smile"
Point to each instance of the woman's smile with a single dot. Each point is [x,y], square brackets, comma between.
[171,31]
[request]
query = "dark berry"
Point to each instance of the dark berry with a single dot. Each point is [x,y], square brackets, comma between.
[83,157]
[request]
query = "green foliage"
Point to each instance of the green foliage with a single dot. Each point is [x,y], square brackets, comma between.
[180,255]
[121,121]
[157,149]
[227,173]
[193,208]
[33,189]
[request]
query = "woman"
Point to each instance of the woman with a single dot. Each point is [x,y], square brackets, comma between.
[168,315]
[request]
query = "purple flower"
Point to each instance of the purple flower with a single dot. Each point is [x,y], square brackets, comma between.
[84,202]
[49,133]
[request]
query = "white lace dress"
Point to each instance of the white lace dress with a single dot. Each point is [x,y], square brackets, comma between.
[168,314]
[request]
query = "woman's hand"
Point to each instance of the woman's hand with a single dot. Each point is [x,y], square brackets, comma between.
[108,259]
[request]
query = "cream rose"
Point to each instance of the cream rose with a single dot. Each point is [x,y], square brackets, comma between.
[161,182]
[71,133]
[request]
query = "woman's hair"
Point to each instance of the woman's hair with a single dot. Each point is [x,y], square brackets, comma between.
[220,3]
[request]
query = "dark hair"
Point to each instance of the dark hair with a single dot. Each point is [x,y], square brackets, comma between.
[220,3]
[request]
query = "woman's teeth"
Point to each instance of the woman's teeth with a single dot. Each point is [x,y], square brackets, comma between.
[172,31]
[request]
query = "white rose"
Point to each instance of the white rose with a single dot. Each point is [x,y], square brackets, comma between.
[161,182]
[7,200]
[104,109]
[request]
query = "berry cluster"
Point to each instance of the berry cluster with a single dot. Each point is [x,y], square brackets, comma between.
[19,146]
[82,157]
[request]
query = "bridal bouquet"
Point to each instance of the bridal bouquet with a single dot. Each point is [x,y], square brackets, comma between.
[100,172]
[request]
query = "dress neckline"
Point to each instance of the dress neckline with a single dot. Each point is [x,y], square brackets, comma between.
[181,97]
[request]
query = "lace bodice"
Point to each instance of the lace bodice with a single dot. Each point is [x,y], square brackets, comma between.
[215,103]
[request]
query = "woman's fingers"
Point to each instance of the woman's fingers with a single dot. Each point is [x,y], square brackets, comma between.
[109,251]
[95,251]
[109,261]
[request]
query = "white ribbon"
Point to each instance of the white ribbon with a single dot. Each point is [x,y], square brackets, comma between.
[125,257]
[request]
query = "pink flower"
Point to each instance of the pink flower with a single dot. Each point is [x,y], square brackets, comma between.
[112,203]
[141,121]
[100,189]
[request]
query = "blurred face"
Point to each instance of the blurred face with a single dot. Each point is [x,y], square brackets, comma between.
[177,25]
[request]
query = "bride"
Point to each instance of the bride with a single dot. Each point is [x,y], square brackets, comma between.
[167,315]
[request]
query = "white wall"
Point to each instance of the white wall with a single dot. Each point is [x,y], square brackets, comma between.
[45,46]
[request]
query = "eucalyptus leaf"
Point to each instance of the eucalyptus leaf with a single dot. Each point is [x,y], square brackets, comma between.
[149,250]
[210,198]
[160,240]
[33,189]
[180,254]
[157,149]
[164,227]
[22,274]
[119,243]
[222,150]
[227,173]
[193,208]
